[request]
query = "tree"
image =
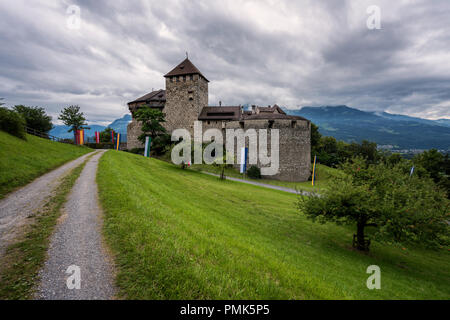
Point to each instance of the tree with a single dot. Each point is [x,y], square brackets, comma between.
[35,118]
[72,117]
[105,135]
[12,122]
[398,207]
[151,120]
[1,103]
[315,139]
[437,165]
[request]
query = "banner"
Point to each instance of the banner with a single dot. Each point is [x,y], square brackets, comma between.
[118,141]
[244,153]
[314,172]
[112,136]
[148,143]
[97,137]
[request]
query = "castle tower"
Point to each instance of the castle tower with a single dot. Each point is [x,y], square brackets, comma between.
[186,95]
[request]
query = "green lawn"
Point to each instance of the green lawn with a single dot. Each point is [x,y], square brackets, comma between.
[323,173]
[180,234]
[22,161]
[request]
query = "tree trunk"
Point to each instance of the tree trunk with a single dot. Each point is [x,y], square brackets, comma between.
[222,174]
[360,241]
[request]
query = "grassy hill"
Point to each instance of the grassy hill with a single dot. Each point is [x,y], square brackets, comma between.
[181,234]
[22,161]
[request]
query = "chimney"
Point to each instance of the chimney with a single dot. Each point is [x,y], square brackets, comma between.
[220,103]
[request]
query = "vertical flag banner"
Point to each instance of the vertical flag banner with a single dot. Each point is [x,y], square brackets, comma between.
[148,143]
[244,152]
[118,141]
[112,136]
[314,172]
[412,171]
[83,136]
[97,137]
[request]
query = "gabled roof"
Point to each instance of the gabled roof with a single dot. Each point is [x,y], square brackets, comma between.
[157,96]
[185,68]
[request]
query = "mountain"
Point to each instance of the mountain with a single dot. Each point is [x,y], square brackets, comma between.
[119,125]
[393,131]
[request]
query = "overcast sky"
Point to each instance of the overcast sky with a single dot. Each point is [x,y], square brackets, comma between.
[293,53]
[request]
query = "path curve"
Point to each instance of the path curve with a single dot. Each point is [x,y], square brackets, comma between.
[77,241]
[20,204]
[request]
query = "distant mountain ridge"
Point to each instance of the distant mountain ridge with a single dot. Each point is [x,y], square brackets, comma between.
[392,131]
[118,125]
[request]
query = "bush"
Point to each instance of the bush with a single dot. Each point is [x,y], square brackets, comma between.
[254,172]
[35,118]
[137,151]
[101,145]
[12,122]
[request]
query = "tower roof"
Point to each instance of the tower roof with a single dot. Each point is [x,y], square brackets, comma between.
[185,68]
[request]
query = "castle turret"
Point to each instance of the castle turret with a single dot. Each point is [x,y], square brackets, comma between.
[186,95]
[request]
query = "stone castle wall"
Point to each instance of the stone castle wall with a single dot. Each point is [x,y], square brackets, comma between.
[294,145]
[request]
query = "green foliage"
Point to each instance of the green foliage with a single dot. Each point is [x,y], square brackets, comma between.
[151,120]
[437,165]
[101,145]
[72,117]
[399,207]
[35,118]
[12,122]
[137,151]
[254,172]
[105,135]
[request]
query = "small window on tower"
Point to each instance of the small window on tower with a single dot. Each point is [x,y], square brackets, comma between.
[191,77]
[184,78]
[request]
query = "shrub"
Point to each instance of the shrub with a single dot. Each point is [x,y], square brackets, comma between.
[254,172]
[137,151]
[101,145]
[35,118]
[12,122]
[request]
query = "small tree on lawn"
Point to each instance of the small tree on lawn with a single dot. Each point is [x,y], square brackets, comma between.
[398,206]
[72,117]
[151,120]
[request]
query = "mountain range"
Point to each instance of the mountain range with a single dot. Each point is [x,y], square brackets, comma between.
[118,125]
[390,131]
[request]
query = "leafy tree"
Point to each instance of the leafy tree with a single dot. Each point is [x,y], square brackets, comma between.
[397,207]
[105,135]
[1,102]
[315,139]
[437,165]
[12,122]
[35,118]
[151,120]
[72,117]
[394,159]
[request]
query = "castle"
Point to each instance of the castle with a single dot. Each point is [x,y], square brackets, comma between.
[185,101]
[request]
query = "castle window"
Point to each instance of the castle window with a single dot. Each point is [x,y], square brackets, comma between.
[171,79]
[209,122]
[184,78]
[191,77]
[293,124]
[241,123]
[271,124]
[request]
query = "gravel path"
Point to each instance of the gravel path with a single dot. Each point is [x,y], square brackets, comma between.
[77,242]
[20,204]
[264,185]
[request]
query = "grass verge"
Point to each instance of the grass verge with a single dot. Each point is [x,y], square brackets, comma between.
[323,173]
[22,161]
[180,234]
[23,259]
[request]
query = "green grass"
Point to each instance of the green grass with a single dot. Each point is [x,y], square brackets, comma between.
[323,174]
[180,234]
[22,161]
[23,259]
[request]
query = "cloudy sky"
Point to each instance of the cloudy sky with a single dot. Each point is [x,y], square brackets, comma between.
[293,53]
